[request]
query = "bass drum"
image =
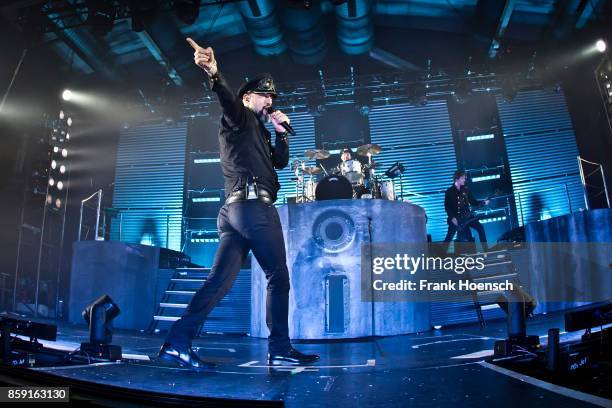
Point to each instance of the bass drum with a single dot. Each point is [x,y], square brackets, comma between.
[333,187]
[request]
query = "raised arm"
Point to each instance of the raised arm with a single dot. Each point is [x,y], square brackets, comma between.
[232,106]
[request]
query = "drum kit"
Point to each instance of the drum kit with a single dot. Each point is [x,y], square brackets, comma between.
[351,179]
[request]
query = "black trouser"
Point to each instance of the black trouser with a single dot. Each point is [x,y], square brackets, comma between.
[450,233]
[243,226]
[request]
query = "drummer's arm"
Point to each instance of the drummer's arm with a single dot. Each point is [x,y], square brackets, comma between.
[280,154]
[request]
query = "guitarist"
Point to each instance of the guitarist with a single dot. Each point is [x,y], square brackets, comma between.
[457,200]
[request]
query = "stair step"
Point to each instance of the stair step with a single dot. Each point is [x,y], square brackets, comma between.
[166,318]
[174,305]
[188,280]
[180,292]
[493,277]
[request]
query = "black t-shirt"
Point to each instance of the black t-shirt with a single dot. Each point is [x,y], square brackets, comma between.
[246,146]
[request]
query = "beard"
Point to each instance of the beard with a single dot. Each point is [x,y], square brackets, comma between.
[263,116]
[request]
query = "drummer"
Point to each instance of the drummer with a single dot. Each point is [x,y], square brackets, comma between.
[346,155]
[351,169]
[348,165]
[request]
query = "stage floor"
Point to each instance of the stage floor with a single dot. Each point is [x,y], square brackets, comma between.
[437,368]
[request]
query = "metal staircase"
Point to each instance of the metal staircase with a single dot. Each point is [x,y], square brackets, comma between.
[231,315]
[469,306]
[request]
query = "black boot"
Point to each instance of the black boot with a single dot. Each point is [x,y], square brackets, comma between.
[185,357]
[291,357]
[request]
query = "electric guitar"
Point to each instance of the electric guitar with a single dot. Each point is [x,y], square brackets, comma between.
[465,218]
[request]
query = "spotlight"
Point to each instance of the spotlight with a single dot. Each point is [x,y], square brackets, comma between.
[58,202]
[62,169]
[363,101]
[51,182]
[99,316]
[601,46]
[60,185]
[64,153]
[49,199]
[69,121]
[55,149]
[66,95]
[61,114]
[364,110]
[67,136]
[53,164]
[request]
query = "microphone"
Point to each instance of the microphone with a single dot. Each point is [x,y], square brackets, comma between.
[285,125]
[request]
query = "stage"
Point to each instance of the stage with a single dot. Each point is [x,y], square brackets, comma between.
[437,208]
[437,368]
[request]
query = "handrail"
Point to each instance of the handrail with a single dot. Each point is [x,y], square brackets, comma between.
[98,207]
[584,183]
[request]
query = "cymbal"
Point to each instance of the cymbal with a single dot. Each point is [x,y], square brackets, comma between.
[370,148]
[316,154]
[311,170]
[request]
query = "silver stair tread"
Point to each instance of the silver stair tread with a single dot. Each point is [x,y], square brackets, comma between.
[493,277]
[180,292]
[174,305]
[188,280]
[166,318]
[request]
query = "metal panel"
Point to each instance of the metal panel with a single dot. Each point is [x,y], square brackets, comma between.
[542,152]
[149,185]
[233,314]
[421,139]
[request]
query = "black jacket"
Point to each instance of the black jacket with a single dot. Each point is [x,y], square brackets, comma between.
[457,202]
[245,144]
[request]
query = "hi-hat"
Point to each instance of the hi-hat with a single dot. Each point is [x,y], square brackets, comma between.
[295,164]
[311,170]
[317,154]
[369,149]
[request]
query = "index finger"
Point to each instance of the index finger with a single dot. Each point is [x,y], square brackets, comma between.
[193,44]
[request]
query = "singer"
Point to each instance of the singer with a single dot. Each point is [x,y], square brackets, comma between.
[248,219]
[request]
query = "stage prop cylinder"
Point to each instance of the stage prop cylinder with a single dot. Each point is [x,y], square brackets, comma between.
[324,256]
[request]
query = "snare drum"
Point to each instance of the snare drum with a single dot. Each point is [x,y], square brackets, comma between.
[387,190]
[351,169]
